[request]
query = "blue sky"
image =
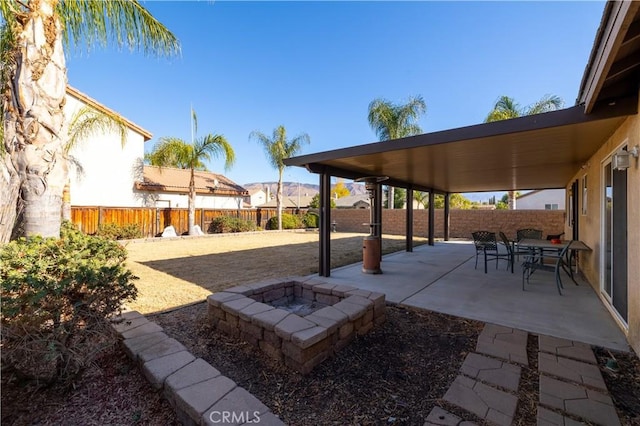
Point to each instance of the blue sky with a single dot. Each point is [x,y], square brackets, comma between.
[315,67]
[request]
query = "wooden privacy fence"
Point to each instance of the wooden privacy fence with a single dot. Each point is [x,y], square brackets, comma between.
[152,220]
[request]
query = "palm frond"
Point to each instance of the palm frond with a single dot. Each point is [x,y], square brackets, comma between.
[125,22]
[504,109]
[215,146]
[170,152]
[545,104]
[88,121]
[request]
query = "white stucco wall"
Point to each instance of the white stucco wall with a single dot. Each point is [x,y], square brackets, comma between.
[174,200]
[537,200]
[110,169]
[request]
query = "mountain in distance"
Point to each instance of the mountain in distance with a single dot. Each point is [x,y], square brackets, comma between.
[292,189]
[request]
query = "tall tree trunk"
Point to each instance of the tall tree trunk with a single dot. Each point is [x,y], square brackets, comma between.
[511,198]
[279,199]
[391,199]
[10,190]
[35,128]
[192,203]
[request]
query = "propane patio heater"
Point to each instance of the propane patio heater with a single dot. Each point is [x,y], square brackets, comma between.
[371,246]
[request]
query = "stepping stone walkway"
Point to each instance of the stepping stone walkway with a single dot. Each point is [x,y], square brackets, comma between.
[571,388]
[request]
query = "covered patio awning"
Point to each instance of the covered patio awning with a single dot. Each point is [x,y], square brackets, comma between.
[532,152]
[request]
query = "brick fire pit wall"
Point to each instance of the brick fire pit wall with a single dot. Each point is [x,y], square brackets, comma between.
[301,342]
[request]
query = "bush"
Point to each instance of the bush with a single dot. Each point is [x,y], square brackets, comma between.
[310,219]
[224,224]
[57,298]
[289,221]
[114,231]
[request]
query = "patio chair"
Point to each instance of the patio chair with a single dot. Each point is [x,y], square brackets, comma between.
[535,261]
[521,234]
[509,247]
[485,243]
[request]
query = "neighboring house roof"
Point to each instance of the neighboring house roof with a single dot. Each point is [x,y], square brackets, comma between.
[97,105]
[290,202]
[351,200]
[169,179]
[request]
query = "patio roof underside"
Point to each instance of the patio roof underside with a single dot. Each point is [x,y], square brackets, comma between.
[534,152]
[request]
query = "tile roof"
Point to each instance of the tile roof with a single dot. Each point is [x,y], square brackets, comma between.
[169,179]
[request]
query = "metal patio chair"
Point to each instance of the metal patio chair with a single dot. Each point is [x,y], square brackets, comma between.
[485,243]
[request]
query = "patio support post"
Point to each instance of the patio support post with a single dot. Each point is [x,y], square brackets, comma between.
[432,209]
[324,267]
[447,199]
[377,216]
[409,220]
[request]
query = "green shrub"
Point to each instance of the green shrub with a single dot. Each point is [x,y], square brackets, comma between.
[114,231]
[223,224]
[289,221]
[311,219]
[57,298]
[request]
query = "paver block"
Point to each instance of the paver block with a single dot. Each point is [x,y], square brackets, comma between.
[269,319]
[163,348]
[333,314]
[309,337]
[270,419]
[484,401]
[359,300]
[291,325]
[195,372]
[576,371]
[136,345]
[195,400]
[128,324]
[323,288]
[217,299]
[149,327]
[240,289]
[566,348]
[586,403]
[254,309]
[340,290]
[441,417]
[547,417]
[236,305]
[157,370]
[246,408]
[492,371]
[503,342]
[352,310]
[360,292]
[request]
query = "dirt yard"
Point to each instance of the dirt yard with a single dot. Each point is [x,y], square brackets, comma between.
[179,272]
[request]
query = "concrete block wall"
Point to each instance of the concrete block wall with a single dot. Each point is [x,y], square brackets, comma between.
[461,222]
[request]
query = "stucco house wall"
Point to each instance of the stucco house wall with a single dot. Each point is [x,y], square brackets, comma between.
[590,224]
[109,169]
[537,200]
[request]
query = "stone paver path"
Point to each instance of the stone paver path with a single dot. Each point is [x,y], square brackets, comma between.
[571,390]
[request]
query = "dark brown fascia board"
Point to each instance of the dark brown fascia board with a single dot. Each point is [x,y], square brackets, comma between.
[564,117]
[618,16]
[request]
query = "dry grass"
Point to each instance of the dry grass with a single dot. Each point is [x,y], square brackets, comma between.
[174,273]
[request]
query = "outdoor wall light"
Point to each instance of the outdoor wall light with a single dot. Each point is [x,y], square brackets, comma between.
[621,160]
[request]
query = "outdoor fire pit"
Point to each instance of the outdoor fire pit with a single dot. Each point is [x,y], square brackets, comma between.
[300,321]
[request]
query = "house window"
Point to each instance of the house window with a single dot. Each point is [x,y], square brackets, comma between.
[551,207]
[584,194]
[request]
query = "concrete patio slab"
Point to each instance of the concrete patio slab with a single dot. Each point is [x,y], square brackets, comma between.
[575,371]
[588,404]
[492,371]
[491,404]
[442,278]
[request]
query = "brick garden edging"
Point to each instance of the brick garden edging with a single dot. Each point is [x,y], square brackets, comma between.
[252,312]
[198,393]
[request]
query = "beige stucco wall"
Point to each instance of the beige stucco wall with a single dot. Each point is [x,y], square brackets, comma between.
[590,224]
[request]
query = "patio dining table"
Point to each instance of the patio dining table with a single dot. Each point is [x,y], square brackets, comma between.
[536,259]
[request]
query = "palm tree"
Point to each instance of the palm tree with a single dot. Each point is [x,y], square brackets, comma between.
[390,121]
[175,152]
[85,123]
[506,108]
[33,169]
[278,148]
